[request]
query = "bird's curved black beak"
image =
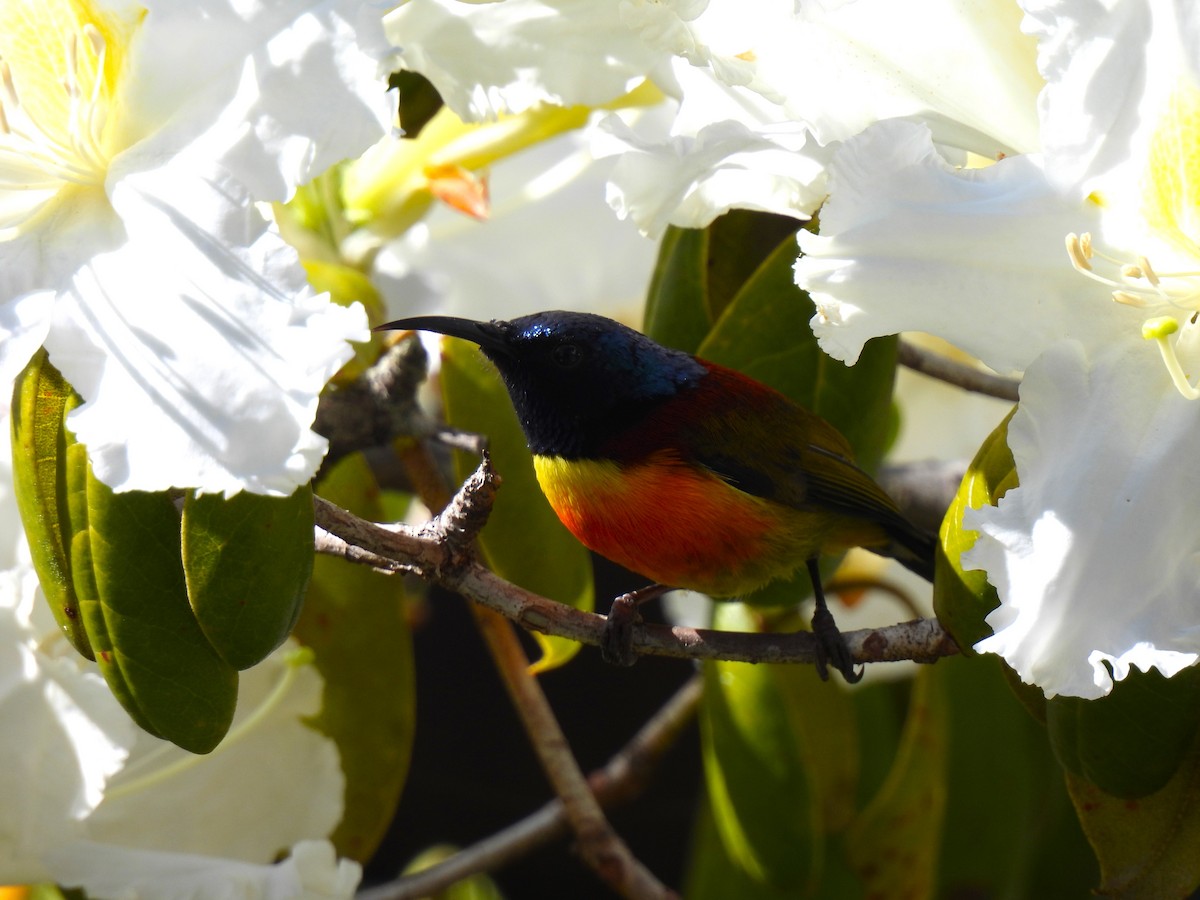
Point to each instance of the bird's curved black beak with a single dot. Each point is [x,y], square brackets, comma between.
[492,337]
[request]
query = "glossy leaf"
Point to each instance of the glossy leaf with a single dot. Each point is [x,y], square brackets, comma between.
[822,716]
[712,875]
[355,622]
[677,311]
[894,842]
[523,541]
[764,804]
[91,612]
[1131,742]
[962,599]
[247,560]
[39,404]
[740,241]
[699,272]
[153,654]
[1146,847]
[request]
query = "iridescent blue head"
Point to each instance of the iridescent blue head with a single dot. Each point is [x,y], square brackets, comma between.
[576,379]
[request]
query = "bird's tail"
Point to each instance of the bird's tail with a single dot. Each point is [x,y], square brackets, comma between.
[912,547]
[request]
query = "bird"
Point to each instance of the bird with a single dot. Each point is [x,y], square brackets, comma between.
[688,473]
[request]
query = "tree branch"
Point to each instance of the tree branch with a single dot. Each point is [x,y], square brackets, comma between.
[431,552]
[923,490]
[958,374]
[376,407]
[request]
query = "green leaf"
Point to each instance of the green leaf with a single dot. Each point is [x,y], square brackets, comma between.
[355,622]
[523,541]
[1131,742]
[153,654]
[766,808]
[91,613]
[894,842]
[677,312]
[740,241]
[700,271]
[247,560]
[1010,829]
[824,722]
[39,404]
[712,875]
[963,598]
[1146,847]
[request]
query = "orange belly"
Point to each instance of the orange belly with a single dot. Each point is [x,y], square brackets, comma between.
[679,525]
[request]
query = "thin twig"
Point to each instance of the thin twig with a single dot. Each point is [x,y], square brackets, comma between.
[380,405]
[599,845]
[958,374]
[624,777]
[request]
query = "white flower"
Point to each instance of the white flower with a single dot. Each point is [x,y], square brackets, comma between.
[798,78]
[689,181]
[134,140]
[490,59]
[763,90]
[91,801]
[1095,555]
[548,242]
[310,872]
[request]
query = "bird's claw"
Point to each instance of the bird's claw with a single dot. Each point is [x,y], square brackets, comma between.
[832,648]
[616,644]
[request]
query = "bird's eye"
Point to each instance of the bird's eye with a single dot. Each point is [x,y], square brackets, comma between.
[567,356]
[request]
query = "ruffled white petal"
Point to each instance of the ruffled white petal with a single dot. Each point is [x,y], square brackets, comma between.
[690,181]
[312,872]
[65,738]
[888,63]
[197,345]
[909,243]
[182,319]
[280,91]
[1111,72]
[1095,555]
[487,59]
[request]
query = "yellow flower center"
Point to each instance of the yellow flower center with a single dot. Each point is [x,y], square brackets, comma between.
[1170,209]
[60,65]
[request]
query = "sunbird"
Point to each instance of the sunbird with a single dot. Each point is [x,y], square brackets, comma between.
[683,471]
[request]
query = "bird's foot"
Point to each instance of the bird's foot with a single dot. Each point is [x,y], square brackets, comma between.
[616,644]
[832,648]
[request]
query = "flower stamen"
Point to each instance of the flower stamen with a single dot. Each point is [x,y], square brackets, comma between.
[1137,284]
[1159,330]
[47,144]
